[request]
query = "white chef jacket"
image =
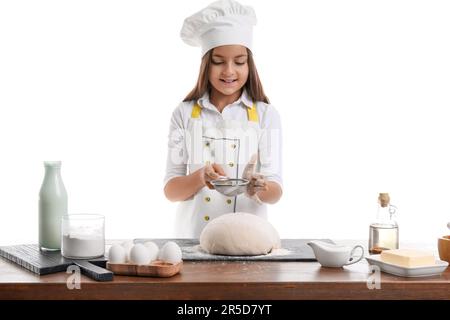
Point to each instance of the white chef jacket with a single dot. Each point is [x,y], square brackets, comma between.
[270,144]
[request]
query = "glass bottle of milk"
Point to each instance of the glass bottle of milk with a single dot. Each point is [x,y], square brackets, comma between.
[383,233]
[52,206]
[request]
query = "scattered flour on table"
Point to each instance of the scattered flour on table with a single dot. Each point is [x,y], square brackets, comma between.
[279,252]
[198,252]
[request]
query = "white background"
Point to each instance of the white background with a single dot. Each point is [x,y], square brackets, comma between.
[362,88]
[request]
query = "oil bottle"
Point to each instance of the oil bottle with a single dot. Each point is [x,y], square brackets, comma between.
[383,233]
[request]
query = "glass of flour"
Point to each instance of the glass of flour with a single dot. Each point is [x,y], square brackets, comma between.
[83,236]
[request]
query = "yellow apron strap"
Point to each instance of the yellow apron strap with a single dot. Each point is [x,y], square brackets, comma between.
[196,110]
[252,113]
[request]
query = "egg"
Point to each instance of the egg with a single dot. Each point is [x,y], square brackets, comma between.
[117,254]
[170,252]
[139,254]
[152,249]
[127,245]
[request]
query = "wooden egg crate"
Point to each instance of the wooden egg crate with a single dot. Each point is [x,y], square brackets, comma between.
[157,268]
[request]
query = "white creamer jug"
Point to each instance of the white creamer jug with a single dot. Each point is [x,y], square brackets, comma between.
[333,255]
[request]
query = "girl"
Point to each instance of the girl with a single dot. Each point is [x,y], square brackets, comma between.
[225,126]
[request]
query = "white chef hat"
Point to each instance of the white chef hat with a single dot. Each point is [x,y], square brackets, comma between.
[223,22]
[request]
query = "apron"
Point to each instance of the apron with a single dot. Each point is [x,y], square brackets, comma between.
[230,143]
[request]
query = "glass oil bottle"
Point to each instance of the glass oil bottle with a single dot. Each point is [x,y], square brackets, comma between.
[383,233]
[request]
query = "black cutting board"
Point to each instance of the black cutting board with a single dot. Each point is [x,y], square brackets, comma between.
[294,250]
[45,262]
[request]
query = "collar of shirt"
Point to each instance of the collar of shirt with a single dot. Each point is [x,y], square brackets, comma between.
[243,100]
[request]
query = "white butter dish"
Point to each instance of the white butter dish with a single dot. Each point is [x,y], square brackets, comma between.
[422,271]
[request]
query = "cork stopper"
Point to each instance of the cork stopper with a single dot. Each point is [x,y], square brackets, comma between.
[384,199]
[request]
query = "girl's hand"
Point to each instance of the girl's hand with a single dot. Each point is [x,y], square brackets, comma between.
[257,183]
[211,172]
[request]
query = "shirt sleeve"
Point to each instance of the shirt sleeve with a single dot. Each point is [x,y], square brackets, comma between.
[176,164]
[270,146]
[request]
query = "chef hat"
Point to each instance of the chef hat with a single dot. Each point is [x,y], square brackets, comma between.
[223,22]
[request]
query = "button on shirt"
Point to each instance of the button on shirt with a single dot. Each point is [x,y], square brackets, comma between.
[270,142]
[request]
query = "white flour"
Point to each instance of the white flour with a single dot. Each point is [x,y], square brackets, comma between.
[82,247]
[279,252]
[198,252]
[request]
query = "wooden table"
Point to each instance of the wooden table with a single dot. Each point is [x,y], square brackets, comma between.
[229,281]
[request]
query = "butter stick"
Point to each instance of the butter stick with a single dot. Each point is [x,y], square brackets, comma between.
[408,257]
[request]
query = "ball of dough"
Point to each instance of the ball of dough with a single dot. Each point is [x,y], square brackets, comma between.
[239,234]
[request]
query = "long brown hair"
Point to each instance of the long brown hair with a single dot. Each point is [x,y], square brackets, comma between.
[253,85]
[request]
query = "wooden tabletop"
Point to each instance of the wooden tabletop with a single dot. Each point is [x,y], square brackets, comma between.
[231,281]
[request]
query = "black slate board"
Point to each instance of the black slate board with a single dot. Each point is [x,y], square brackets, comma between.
[297,250]
[46,262]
